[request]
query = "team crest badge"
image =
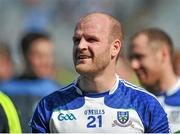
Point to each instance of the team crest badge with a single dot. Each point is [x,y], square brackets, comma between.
[122,119]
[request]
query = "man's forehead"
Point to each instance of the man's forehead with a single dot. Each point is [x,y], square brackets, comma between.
[142,41]
[95,17]
[93,24]
[141,38]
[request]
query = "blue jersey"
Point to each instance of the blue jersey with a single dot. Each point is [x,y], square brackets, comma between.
[171,103]
[125,108]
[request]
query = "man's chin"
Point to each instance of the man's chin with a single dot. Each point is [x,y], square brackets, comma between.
[150,88]
[84,71]
[81,70]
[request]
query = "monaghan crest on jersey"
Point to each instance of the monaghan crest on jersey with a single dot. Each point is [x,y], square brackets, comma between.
[122,119]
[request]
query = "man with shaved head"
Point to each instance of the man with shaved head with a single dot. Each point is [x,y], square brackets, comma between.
[99,101]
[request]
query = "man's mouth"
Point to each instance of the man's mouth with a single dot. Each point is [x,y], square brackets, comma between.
[140,74]
[81,57]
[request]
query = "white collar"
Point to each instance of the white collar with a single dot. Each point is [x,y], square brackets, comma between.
[174,89]
[111,91]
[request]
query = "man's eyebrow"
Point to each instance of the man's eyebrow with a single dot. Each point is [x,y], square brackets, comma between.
[85,35]
[90,36]
[75,37]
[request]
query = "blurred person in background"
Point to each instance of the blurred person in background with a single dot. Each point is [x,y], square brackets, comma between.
[176,62]
[98,101]
[36,81]
[151,52]
[125,71]
[38,53]
[6,64]
[9,120]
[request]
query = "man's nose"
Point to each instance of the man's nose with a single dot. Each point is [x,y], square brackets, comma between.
[135,64]
[82,44]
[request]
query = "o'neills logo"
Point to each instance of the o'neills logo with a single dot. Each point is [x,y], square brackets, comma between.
[122,119]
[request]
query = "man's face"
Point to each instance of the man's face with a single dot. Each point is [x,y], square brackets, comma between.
[6,67]
[41,58]
[91,50]
[145,61]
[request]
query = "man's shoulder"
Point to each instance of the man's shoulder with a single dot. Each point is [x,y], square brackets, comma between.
[61,98]
[62,94]
[134,95]
[128,95]
[134,90]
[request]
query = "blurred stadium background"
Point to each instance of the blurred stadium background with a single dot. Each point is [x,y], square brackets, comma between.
[58,17]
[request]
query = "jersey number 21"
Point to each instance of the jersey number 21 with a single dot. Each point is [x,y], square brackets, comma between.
[94,121]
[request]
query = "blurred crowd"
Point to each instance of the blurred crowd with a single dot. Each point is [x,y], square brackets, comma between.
[37,78]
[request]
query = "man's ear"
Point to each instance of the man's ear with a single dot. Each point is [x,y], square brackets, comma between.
[165,52]
[116,47]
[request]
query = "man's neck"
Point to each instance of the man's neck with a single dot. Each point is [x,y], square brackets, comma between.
[168,80]
[97,84]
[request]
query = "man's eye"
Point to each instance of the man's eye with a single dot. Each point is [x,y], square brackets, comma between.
[76,41]
[132,57]
[91,40]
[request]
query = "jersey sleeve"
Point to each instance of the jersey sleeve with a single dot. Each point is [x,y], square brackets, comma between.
[40,120]
[158,122]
